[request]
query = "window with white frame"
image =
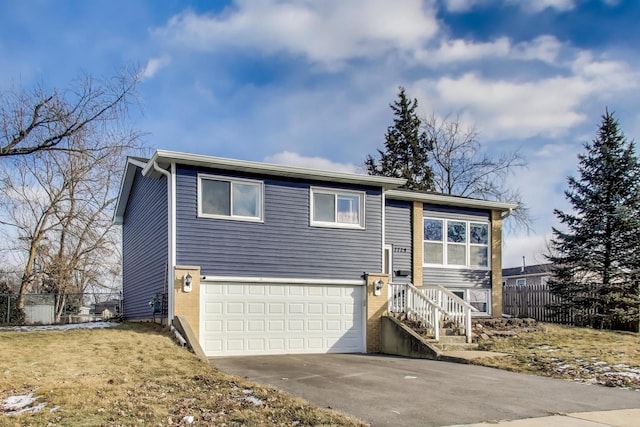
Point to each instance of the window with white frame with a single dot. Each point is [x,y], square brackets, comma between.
[337,208]
[480,299]
[456,243]
[230,198]
[544,280]
[521,282]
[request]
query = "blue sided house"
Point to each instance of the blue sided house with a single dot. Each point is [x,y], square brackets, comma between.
[268,259]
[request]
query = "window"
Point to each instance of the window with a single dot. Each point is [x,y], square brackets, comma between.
[456,243]
[220,197]
[521,282]
[480,299]
[544,280]
[331,208]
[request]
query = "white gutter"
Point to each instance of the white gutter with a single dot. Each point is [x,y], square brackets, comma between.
[170,229]
[507,214]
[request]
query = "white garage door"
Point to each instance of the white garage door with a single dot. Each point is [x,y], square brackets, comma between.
[274,318]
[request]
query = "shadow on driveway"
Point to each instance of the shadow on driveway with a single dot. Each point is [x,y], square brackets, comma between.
[393,391]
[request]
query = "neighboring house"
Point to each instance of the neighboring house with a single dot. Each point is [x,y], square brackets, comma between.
[537,274]
[269,259]
[107,309]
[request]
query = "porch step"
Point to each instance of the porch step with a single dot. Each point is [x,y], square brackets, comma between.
[454,346]
[452,339]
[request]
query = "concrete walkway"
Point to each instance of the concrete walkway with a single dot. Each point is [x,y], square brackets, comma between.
[619,418]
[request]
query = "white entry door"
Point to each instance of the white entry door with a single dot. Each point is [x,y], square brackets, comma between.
[281,318]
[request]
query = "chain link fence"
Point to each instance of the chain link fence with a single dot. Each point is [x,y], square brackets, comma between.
[49,309]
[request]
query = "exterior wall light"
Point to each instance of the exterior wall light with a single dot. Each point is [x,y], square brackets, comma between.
[377,287]
[186,282]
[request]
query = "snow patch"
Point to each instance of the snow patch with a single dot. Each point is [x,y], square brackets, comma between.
[90,325]
[21,404]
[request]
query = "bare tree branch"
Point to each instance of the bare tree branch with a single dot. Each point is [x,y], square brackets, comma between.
[460,166]
[41,119]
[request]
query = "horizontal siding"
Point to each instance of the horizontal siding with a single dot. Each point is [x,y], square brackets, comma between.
[144,245]
[455,211]
[398,234]
[284,245]
[457,278]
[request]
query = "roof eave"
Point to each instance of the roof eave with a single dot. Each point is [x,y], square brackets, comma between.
[444,199]
[164,157]
[126,183]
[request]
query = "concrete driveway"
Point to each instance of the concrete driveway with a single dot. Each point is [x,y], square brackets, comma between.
[392,391]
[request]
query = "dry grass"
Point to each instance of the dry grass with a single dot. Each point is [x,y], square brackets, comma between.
[135,374]
[581,354]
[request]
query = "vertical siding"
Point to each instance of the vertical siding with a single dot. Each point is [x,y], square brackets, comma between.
[284,245]
[144,245]
[456,277]
[398,234]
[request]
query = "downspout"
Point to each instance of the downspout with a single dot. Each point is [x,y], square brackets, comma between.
[507,214]
[170,263]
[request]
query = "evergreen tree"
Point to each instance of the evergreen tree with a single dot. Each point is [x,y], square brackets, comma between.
[406,148]
[596,262]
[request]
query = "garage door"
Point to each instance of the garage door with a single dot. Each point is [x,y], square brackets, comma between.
[275,318]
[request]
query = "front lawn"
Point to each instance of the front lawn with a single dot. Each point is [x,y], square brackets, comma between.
[581,354]
[135,374]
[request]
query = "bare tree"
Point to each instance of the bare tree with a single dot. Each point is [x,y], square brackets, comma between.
[56,203]
[460,167]
[42,119]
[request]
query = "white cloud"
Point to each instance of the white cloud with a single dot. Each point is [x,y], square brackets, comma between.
[154,65]
[289,158]
[460,50]
[533,6]
[540,5]
[460,5]
[327,32]
[544,48]
[515,108]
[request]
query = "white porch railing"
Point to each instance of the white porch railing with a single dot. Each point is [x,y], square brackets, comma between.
[457,310]
[406,298]
[439,306]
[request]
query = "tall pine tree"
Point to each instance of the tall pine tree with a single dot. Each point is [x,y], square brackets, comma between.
[596,260]
[406,148]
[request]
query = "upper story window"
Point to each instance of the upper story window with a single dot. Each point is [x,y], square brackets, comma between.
[230,198]
[337,208]
[456,243]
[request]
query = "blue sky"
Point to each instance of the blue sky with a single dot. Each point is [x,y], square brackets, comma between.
[309,82]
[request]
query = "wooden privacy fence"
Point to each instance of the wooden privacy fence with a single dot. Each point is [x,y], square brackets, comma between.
[533,301]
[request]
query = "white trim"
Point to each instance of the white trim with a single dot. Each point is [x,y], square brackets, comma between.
[231,181]
[284,280]
[338,192]
[384,226]
[165,156]
[126,182]
[442,199]
[171,226]
[388,260]
[172,241]
[467,244]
